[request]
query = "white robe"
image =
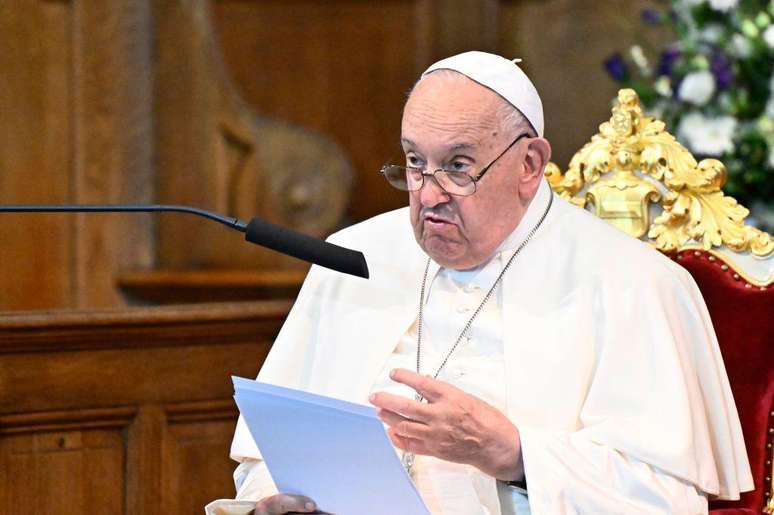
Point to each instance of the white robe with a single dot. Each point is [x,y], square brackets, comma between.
[613,373]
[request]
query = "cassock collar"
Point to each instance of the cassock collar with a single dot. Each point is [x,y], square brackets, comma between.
[534,211]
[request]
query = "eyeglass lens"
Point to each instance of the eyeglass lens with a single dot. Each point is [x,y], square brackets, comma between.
[412,179]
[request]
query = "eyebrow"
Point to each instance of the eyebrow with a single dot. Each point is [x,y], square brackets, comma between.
[463,146]
[453,148]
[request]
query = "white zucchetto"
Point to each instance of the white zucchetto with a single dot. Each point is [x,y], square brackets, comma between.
[502,76]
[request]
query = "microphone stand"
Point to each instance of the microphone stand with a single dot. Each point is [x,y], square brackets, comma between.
[257,231]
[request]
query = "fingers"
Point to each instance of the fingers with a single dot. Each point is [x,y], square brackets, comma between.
[431,389]
[402,406]
[407,444]
[403,426]
[284,503]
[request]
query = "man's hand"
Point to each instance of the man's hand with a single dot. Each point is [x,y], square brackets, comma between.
[284,503]
[453,426]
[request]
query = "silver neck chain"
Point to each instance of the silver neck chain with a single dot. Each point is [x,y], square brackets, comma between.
[408,458]
[480,306]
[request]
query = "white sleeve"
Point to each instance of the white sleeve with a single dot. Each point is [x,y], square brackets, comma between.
[252,481]
[568,474]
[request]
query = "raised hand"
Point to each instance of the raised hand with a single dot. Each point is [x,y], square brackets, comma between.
[452,425]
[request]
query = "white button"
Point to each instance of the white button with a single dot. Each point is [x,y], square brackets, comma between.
[462,309]
[470,288]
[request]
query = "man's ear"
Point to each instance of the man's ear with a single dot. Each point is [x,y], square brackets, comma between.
[538,156]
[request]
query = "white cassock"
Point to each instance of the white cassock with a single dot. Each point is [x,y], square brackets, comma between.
[597,347]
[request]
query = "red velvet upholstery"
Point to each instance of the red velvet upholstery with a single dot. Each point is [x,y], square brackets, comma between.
[743,317]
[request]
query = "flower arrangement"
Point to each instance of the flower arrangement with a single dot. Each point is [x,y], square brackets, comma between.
[714,88]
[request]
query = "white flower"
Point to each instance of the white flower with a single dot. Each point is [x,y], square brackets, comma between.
[657,110]
[768,36]
[725,102]
[663,86]
[707,136]
[723,5]
[769,111]
[712,33]
[638,56]
[697,87]
[740,46]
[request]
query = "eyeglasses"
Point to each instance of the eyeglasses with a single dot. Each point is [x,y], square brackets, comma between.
[407,178]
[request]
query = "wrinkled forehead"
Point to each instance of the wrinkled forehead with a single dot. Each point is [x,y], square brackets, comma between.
[447,101]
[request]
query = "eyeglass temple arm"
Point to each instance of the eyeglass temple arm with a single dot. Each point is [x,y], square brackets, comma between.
[487,167]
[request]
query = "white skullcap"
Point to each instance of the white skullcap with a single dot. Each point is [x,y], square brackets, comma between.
[500,75]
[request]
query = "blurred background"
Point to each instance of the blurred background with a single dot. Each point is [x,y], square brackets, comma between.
[283,109]
[114,360]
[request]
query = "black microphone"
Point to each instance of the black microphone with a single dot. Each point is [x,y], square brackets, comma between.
[260,232]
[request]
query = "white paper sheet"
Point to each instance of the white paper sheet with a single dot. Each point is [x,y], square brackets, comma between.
[335,452]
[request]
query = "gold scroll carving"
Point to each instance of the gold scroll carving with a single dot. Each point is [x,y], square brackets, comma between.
[633,164]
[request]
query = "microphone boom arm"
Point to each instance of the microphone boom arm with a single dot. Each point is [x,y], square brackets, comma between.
[234,223]
[260,232]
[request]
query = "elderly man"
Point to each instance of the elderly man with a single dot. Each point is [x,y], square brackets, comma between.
[524,356]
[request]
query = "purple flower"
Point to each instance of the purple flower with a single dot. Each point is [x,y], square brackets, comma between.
[651,16]
[720,66]
[616,67]
[667,61]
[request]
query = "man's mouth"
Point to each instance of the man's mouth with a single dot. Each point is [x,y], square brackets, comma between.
[437,222]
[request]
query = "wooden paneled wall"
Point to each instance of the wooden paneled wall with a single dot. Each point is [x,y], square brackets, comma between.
[124,412]
[75,126]
[284,109]
[344,68]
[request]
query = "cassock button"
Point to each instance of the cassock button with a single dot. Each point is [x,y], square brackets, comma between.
[462,309]
[470,288]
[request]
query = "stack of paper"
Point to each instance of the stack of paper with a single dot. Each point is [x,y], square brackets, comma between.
[334,452]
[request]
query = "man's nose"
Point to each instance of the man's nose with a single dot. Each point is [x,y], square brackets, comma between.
[431,194]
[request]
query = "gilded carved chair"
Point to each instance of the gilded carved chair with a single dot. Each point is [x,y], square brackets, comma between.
[635,175]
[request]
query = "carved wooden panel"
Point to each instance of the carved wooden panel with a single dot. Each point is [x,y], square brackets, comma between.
[350,83]
[344,67]
[62,472]
[35,152]
[197,438]
[75,124]
[113,136]
[124,411]
[215,152]
[63,461]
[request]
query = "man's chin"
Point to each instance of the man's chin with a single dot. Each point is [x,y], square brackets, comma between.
[449,254]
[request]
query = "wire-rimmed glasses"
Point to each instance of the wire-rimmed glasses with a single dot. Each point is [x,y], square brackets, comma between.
[408,178]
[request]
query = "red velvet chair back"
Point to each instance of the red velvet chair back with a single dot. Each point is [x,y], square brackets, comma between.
[743,316]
